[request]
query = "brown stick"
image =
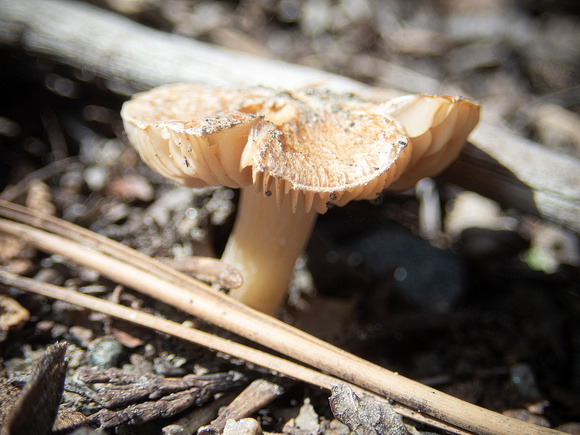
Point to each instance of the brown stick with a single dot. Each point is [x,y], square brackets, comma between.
[236,350]
[150,277]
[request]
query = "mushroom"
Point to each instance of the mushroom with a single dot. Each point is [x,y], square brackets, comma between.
[437,127]
[293,155]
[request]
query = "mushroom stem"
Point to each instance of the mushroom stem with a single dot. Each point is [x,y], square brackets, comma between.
[264,244]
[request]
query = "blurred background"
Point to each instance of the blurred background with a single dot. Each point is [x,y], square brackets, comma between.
[439,284]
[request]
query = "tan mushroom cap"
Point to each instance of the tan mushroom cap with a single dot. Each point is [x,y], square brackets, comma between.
[437,127]
[305,145]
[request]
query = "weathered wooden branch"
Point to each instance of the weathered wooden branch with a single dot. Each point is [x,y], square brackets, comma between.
[516,172]
[121,50]
[520,174]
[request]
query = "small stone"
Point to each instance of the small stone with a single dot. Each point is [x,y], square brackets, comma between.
[96,177]
[82,335]
[104,353]
[307,418]
[524,382]
[306,423]
[245,426]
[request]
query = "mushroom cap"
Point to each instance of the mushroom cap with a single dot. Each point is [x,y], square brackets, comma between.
[437,128]
[309,146]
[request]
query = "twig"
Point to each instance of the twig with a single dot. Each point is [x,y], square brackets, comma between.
[254,397]
[13,192]
[236,350]
[150,277]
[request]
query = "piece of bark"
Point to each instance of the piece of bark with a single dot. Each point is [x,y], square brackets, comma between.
[8,398]
[87,38]
[137,398]
[115,387]
[37,406]
[257,395]
[190,423]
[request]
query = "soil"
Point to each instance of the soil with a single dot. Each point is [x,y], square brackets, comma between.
[487,311]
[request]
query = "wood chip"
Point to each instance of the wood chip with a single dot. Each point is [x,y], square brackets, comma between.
[37,407]
[257,395]
[190,423]
[12,314]
[137,398]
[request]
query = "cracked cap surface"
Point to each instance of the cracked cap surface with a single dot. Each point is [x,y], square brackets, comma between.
[311,146]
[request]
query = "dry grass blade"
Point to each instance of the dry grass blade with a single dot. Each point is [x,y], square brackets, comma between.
[236,350]
[148,276]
